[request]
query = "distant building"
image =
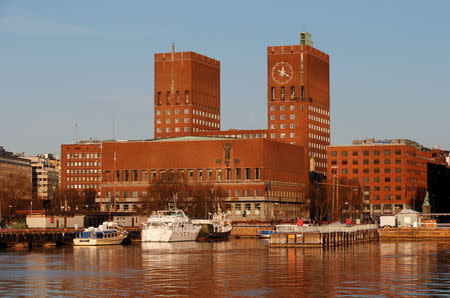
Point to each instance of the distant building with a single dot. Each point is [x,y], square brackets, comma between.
[391,171]
[81,166]
[45,175]
[13,164]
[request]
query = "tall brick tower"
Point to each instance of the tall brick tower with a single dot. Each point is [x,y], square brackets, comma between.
[299,98]
[187,94]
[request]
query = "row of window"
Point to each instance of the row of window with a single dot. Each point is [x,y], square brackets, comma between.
[318,110]
[186,112]
[367,152]
[82,186]
[282,117]
[387,197]
[319,137]
[83,171]
[283,93]
[198,174]
[319,119]
[366,170]
[177,98]
[283,135]
[319,128]
[282,108]
[83,179]
[317,146]
[169,129]
[83,164]
[83,155]
[282,126]
[387,161]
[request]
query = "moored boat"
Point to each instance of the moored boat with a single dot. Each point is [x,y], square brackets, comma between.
[169,226]
[109,233]
[219,227]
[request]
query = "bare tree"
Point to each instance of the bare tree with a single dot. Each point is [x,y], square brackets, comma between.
[15,191]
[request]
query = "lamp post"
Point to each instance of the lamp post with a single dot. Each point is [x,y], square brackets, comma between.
[31,206]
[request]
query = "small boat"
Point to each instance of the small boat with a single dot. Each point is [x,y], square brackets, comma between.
[109,233]
[219,227]
[169,226]
[266,233]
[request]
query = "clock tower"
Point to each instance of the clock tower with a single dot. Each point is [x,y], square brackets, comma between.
[299,99]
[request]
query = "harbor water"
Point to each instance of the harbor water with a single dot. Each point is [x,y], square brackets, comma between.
[239,267]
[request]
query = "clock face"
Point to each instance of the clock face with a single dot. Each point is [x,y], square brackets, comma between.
[282,72]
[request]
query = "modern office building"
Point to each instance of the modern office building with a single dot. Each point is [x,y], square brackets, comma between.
[13,164]
[45,175]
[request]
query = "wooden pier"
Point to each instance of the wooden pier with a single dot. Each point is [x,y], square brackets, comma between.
[49,237]
[324,236]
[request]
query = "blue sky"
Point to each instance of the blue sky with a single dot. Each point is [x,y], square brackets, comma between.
[85,61]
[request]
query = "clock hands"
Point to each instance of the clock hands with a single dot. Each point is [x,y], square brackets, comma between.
[283,73]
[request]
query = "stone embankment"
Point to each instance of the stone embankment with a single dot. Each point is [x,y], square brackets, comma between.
[414,233]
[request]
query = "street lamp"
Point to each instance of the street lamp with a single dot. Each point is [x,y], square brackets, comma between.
[31,206]
[10,212]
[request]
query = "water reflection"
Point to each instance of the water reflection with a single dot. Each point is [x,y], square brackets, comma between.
[230,268]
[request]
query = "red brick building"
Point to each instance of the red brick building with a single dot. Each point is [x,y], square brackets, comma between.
[391,171]
[187,94]
[81,166]
[187,103]
[245,174]
[299,98]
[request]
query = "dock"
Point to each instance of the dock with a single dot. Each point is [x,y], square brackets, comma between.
[30,238]
[325,236]
[420,233]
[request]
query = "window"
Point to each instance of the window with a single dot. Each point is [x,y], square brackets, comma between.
[210,175]
[238,174]
[355,161]
[387,188]
[257,174]
[376,188]
[398,179]
[144,175]
[282,93]
[292,92]
[282,126]
[376,152]
[273,135]
[273,126]
[387,179]
[272,108]
[292,135]
[398,152]
[248,173]
[272,117]
[365,153]
[387,152]
[282,108]
[387,170]
[333,153]
[355,171]
[376,179]
[376,161]
[292,108]
[365,162]
[376,198]
[273,93]
[387,161]
[292,116]
[219,174]
[135,175]
[186,129]
[344,171]
[292,126]
[177,129]
[186,94]
[398,170]
[344,162]
[344,153]
[237,193]
[302,91]
[398,161]
[186,111]
[355,153]
[387,197]
[366,171]
[283,135]
[282,117]
[186,120]
[117,175]
[398,188]
[247,194]
[190,174]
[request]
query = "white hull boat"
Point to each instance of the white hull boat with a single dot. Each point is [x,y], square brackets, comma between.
[169,226]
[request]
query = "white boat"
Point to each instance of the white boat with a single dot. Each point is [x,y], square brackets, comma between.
[169,226]
[109,233]
[218,227]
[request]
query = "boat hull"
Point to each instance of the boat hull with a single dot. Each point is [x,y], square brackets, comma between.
[169,235]
[98,241]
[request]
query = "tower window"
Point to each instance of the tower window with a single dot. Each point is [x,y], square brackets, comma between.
[292,92]
[302,91]
[158,98]
[273,93]
[177,97]
[168,98]
[187,96]
[282,93]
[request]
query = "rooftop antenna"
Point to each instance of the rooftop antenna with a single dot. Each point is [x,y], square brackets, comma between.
[75,131]
[173,72]
[113,125]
